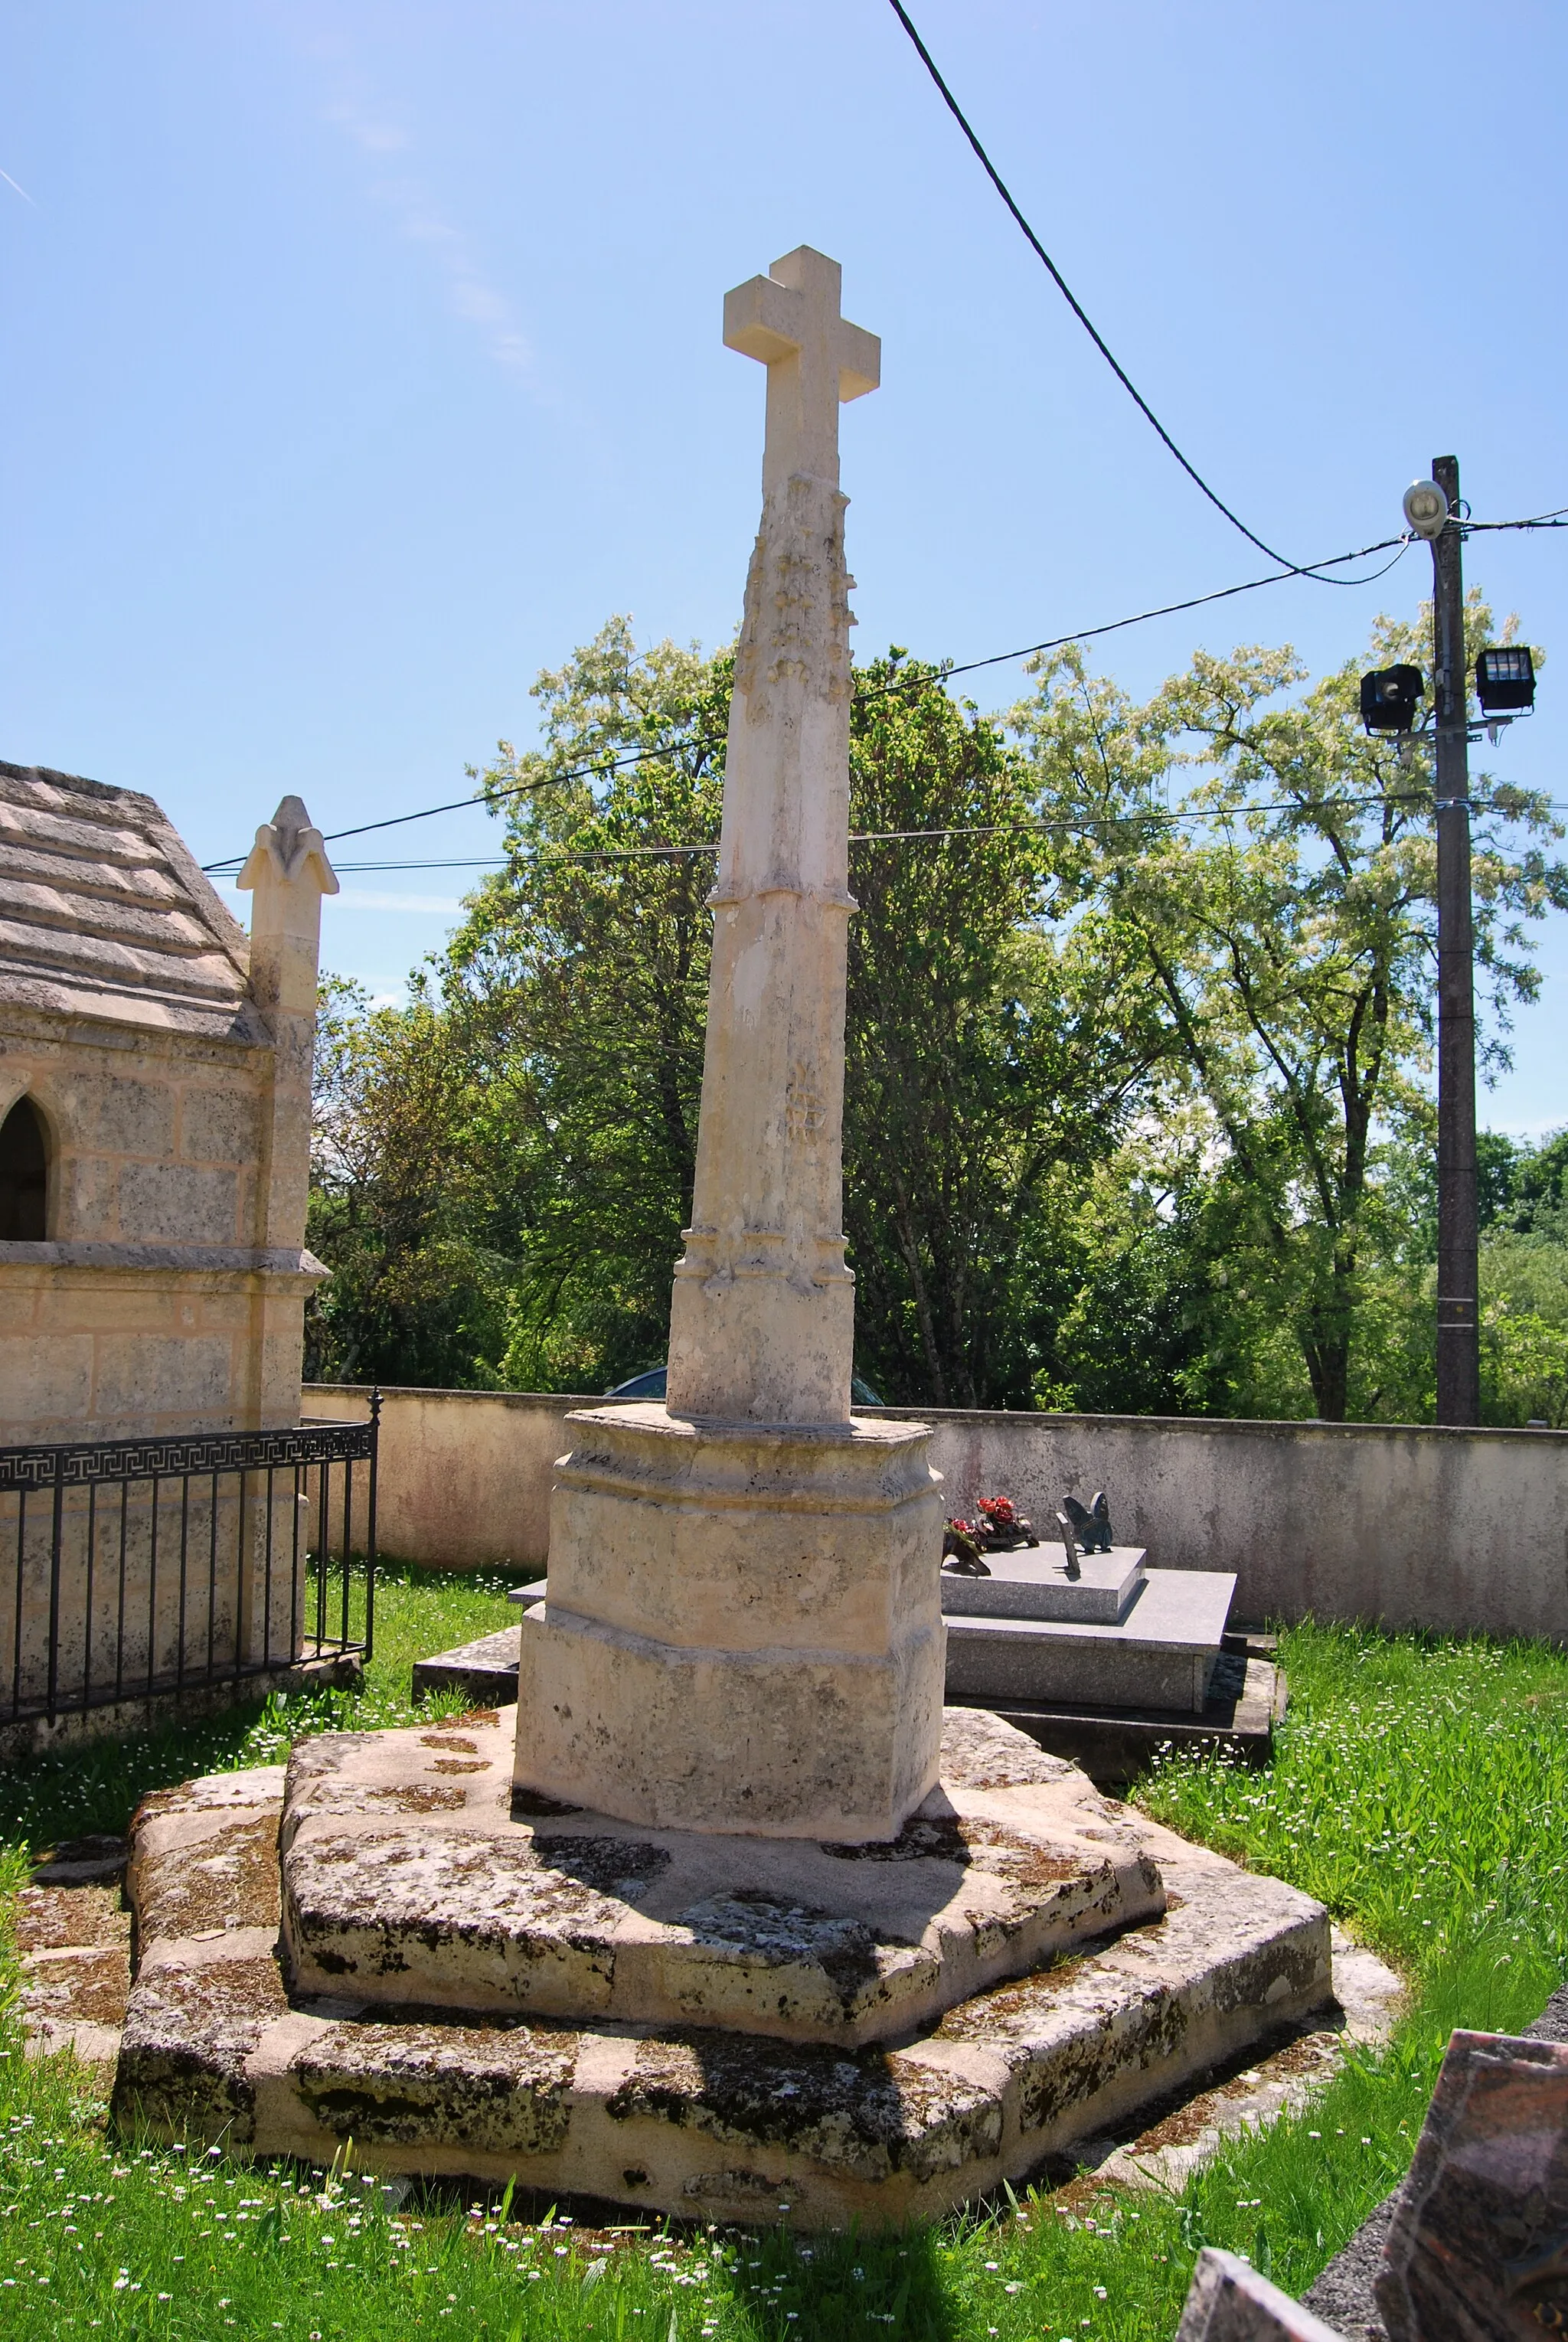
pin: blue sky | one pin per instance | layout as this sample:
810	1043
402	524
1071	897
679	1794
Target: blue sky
363	356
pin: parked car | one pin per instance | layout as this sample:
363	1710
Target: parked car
650	1383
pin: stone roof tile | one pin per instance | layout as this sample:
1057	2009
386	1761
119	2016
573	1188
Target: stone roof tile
105	912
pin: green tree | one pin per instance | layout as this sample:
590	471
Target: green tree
399	1211
552	1061
1282	907
576	990
991	1058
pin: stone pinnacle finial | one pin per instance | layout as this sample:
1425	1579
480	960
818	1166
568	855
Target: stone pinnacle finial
286	844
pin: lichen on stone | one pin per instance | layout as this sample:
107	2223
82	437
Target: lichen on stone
865	2113
229	1879
189	2031
500	2090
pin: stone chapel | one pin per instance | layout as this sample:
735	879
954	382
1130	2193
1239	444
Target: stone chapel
155	1119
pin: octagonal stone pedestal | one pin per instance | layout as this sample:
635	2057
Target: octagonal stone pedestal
728	2029
742	1629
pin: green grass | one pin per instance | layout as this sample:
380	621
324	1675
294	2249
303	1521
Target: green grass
1419	1788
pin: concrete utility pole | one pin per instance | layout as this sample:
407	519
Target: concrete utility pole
1458	1312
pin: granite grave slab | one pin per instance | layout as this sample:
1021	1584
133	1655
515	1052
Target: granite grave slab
1477	2246
1037	1584
1228	2301
1163	1655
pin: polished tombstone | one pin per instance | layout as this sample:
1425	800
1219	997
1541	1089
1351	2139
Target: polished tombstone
1161	1654
1478	2245
1041	1583
742	1629
1228	2301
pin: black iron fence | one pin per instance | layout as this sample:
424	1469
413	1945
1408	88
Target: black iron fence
143	1567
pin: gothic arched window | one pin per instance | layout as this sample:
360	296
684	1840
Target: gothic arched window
23	1175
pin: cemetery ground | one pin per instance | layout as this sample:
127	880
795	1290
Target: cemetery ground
1420	1788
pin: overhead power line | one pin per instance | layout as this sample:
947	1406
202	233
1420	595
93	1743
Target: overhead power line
1079	826
1196	602
599	767
1558	519
1117	368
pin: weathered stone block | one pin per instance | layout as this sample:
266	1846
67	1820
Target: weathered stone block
175	1375
219	1125
45	1377
172	1203
198	2013
408	1881
115	1113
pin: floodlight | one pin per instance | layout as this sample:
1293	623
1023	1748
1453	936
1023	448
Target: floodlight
1426	507
1388	698
1504	679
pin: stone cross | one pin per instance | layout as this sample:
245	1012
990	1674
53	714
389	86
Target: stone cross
743	1630
815	359
763	1316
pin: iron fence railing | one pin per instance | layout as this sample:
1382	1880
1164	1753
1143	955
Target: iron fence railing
141	1567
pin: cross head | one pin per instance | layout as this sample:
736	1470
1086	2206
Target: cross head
789	319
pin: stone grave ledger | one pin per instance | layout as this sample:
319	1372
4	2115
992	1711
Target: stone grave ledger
742	1629
1037	1584
1154	1643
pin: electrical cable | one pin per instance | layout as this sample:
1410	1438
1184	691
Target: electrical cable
1128	385
1170	609
1542	520
597	769
1086	824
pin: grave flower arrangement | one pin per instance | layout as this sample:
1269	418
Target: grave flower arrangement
998	1526
1002	1528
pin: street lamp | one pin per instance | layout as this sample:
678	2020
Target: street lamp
1505	681
1426	507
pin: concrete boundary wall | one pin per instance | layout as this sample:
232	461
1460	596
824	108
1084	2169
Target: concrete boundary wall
1411	1526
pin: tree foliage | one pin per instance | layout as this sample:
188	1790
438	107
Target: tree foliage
1138	1109
1283	910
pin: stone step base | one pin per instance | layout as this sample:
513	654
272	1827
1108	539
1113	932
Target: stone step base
413	1872
74	1943
694	2122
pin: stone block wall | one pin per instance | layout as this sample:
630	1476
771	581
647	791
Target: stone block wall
151	1307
